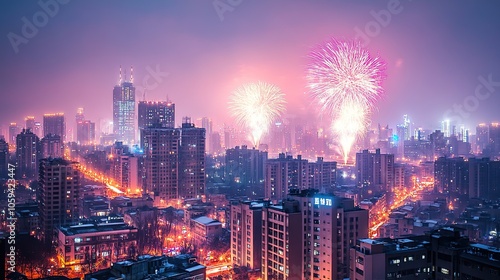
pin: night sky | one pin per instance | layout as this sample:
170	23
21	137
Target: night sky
434	51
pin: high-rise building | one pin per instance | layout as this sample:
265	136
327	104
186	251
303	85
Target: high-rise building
483	178
161	163
27	154
245	166
206	123
322	175
215	145
54	124
14	130
482	137
308	236
30	123
494	137
246	234
375	171
4	158
79	115
451	175
390	259
331	227
282	254
85	132
125	168
59	193
192	161
51	146
38	129
124	118
159	113
283	174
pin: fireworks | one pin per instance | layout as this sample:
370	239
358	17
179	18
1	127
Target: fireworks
255	106
346	81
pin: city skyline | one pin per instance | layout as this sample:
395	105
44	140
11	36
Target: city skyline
220	51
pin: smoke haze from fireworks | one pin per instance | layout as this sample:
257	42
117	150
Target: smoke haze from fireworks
346	82
255	106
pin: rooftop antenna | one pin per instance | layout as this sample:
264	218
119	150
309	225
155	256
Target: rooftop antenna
120	81
131	74
125	75
144	95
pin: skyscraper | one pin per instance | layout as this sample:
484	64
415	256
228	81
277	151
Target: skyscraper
192	161
482	137
124	118
246	233
30	123
322	175
85	132
51	146
14	130
331	227
283	174
375	171
59	192
494	135
245	166
27	154
206	123
4	158
451	175
161	163
308	236
37	129
152	113
54	124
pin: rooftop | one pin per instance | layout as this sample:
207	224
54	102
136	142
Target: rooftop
94	227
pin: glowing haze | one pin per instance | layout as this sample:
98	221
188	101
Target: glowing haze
346	82
255	106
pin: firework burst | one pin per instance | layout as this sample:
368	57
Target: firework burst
255	106
346	82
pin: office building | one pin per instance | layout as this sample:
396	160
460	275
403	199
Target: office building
124	116
54	124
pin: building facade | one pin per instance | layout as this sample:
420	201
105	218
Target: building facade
54	124
124	116
59	194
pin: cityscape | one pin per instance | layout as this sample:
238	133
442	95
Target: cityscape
235	139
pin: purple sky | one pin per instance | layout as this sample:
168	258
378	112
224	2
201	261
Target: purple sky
434	54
